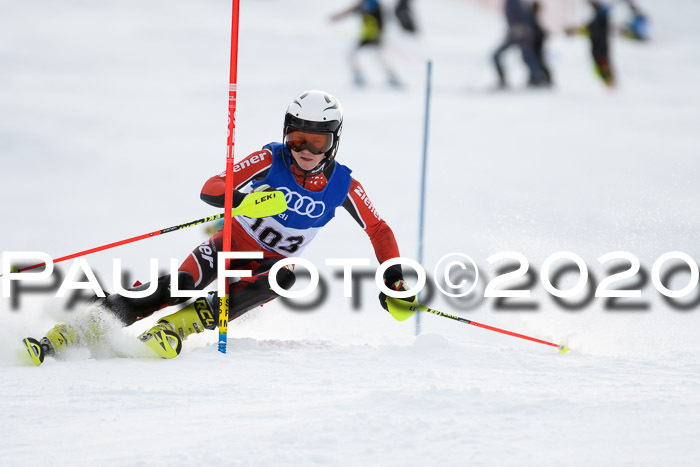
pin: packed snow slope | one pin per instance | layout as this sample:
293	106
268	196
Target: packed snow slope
113	114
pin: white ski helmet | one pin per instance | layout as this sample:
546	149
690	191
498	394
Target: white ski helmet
319	113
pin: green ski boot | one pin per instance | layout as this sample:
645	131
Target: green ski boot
166	337
35	350
56	341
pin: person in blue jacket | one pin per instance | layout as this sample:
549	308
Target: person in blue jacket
637	28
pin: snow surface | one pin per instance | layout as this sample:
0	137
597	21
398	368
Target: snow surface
112	115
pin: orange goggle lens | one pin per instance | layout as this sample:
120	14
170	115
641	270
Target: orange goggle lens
316	143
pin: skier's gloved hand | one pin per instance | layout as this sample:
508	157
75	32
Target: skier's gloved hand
237	198
263	187
393	279
399	286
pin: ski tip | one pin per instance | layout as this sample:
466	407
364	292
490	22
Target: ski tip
165	344
34	350
563	348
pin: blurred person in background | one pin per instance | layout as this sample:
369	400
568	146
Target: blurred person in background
519	33
538	37
404	14
213	227
637	28
370	38
598	31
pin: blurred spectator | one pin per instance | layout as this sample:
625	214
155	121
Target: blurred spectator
213	227
598	31
370	37
404	14
519	33
538	37
637	28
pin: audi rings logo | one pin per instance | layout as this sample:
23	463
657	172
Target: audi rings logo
303	205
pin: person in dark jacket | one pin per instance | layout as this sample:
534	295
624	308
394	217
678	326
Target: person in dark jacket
519	34
538	37
405	15
598	31
370	38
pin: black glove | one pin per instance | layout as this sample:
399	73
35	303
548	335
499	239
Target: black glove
393	279
399	286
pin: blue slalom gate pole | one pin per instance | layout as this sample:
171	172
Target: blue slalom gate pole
421	222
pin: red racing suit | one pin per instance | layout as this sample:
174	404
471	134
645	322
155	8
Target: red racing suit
201	263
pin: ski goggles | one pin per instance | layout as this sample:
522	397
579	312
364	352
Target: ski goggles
315	143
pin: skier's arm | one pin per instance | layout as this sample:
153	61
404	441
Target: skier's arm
380	234
254	166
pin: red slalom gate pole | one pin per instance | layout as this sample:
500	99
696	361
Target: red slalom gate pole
231	141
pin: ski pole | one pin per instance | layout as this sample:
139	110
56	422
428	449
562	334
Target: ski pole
260	204
402	310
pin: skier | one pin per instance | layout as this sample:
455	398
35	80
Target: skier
370	37
304	168
598	31
518	33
